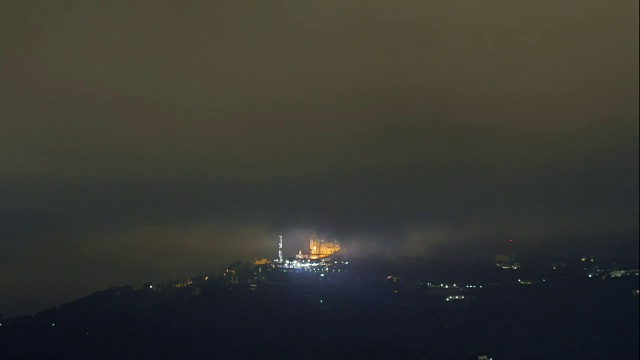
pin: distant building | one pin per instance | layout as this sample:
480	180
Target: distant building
320	248
502	260
261	261
301	256
506	262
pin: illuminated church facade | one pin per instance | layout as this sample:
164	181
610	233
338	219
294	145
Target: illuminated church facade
320	248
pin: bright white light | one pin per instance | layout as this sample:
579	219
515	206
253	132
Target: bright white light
321	274
53	324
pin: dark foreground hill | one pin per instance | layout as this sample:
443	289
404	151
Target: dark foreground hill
347	318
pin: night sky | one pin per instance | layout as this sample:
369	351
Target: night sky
141	141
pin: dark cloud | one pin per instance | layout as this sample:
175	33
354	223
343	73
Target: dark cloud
152	140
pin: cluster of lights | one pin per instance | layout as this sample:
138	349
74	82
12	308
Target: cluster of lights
447	286
189	282
620	273
452	286
515	266
295	264
455	297
443	286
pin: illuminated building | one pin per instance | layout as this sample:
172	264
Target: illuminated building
262	261
320	248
